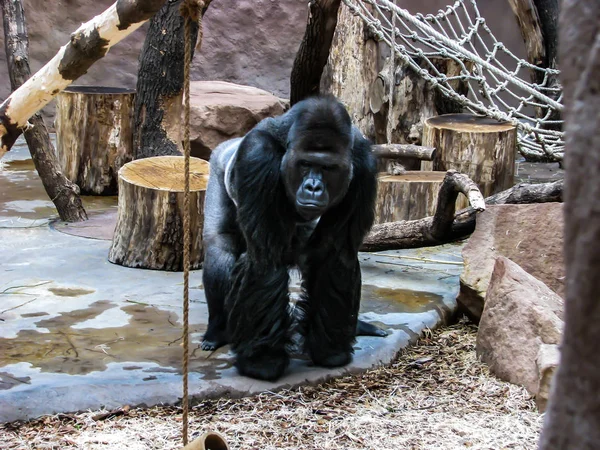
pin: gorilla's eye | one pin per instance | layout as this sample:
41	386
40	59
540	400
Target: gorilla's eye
304	164
330	168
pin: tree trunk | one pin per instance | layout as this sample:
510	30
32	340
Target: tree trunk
414	99
538	22
572	419
158	104
88	44
417	233
93	135
314	49
410	196
149	230
482	148
351	68
63	193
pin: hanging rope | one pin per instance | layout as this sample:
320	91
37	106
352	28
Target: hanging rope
191	10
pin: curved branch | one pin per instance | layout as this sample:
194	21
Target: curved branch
421	232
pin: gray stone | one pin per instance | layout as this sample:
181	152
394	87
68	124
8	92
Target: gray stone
529	235
547	362
521	315
222	111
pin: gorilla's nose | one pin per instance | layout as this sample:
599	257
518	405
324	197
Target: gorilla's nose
314	187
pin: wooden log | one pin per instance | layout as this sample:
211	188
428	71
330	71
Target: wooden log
94	135
398	151
482	148
149	230
410	196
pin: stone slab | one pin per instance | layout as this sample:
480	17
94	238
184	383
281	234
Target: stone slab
78	333
81	333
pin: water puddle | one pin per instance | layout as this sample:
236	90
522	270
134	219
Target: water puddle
70	292
60	346
22	194
385	300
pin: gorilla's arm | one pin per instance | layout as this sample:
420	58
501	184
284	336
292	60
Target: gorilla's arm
258	301
332	279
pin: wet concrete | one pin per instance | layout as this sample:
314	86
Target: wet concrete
77	332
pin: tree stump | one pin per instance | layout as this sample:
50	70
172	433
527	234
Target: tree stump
410	196
482	148
149	230
94	135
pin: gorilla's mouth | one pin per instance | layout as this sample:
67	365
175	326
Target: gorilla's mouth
309	209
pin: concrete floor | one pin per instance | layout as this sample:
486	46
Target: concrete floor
77	332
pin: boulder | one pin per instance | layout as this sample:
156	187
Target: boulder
222	111
529	235
521	318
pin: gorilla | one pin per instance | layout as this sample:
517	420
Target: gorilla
297	191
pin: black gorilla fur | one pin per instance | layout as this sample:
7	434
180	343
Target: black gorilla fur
297	190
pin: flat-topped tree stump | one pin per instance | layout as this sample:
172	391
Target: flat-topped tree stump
409	196
480	147
94	135
149	230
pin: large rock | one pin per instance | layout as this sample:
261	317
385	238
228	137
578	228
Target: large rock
521	319
221	111
529	235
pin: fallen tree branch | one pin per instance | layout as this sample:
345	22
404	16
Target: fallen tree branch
427	232
63	193
529	193
394	151
87	45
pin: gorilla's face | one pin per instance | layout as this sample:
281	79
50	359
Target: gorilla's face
317	173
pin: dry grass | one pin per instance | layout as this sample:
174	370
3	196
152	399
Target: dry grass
436	395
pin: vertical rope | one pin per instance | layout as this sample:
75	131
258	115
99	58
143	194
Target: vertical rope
392	78
191	10
186	222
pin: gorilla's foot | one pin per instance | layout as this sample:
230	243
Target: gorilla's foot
213	340
335	359
366	329
267	366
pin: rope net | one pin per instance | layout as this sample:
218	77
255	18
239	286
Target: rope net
497	80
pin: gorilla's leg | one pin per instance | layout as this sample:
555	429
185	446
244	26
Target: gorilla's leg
331	300
223	243
219	260
259	319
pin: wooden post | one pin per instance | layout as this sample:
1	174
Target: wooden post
93	135
482	148
149	230
410	196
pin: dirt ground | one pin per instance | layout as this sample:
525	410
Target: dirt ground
436	395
